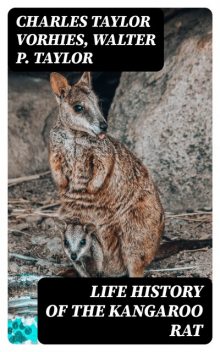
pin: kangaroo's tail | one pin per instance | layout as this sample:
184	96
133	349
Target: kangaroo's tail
173	247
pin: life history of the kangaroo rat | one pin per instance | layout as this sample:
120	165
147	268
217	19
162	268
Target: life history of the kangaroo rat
110	175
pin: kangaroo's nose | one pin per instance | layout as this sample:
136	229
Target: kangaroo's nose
103	126
73	256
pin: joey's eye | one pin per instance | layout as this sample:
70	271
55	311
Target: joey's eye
78	108
83	242
66	243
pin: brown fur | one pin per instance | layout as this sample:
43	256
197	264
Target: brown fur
100	181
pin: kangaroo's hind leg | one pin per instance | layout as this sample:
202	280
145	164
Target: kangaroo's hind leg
139	255
136	267
138	248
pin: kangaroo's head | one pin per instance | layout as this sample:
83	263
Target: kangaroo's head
77	238
79	109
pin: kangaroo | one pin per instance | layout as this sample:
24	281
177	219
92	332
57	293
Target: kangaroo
82	247
100	181
81	244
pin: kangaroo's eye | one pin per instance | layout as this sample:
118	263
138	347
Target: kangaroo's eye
66	243
78	108
83	242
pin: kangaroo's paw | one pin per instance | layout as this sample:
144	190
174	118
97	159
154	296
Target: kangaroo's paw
95	184
56	166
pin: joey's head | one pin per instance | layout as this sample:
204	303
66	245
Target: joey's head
78	104
77	239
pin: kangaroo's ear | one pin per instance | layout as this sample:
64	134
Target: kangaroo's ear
59	84
89	228
74	221
86	79
60	225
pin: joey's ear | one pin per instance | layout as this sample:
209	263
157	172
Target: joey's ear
89	228
60	225
86	79
74	221
59	84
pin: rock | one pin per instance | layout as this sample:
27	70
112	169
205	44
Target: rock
49	223
35	218
13	268
54	245
165	117
32	109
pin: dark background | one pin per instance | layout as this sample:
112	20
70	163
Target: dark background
121	330
105	58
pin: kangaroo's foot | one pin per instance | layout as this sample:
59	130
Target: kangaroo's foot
136	269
